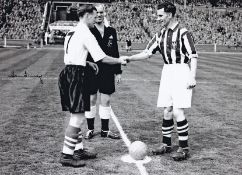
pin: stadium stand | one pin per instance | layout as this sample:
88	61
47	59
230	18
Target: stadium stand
219	22
21	20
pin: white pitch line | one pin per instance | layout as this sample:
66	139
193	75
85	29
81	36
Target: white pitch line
139	165
123	135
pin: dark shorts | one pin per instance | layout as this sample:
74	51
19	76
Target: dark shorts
73	89
104	82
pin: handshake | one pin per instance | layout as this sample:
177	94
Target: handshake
124	60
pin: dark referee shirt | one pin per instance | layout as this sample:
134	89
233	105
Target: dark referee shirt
175	45
109	45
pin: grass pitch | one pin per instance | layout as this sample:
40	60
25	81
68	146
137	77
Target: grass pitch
32	123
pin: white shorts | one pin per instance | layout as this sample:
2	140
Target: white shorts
173	86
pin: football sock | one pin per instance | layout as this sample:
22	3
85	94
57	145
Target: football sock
79	144
71	138
105	114
90	116
182	129
105	124
90	123
167	128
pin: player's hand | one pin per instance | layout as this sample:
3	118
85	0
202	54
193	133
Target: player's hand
94	67
118	78
126	58
192	83
122	60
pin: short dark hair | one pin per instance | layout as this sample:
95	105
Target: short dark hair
168	7
85	8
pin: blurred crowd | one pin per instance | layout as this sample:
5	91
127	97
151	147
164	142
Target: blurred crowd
213	26
127	19
209	25
22	19
214	3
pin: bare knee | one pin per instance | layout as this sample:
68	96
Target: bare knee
168	113
105	100
169	109
93	99
76	119
179	114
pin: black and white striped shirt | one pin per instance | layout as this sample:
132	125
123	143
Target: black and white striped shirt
175	45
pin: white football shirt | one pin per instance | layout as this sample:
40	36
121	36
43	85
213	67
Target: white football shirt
78	43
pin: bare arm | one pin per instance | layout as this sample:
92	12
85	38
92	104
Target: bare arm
150	49
94	66
188	42
111	60
137	57
193	67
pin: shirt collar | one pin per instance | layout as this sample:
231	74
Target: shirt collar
173	25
